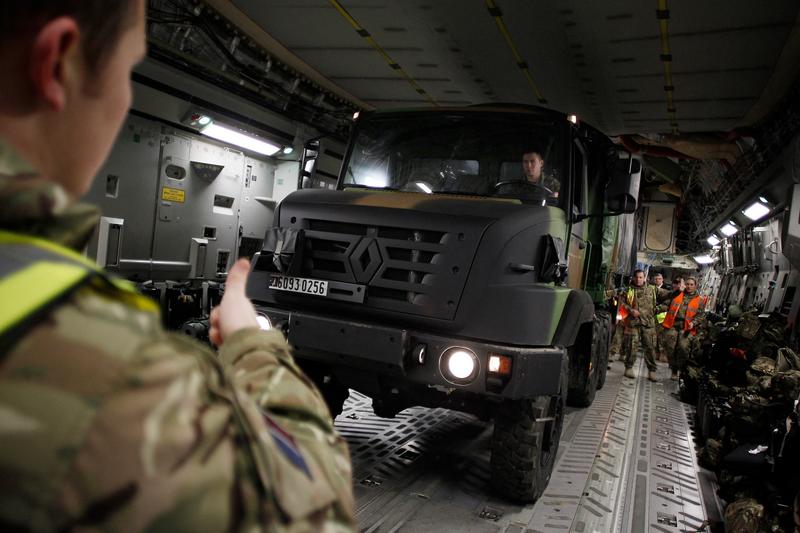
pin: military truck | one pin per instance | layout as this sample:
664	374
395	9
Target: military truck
436	274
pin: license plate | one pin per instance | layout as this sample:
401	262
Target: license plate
316	287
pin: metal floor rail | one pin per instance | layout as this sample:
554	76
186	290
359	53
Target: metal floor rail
627	463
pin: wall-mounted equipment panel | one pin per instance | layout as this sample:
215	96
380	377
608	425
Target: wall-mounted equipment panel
125	187
182	207
199	191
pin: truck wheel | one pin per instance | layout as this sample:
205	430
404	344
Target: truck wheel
525	445
333	392
583	368
335	396
603	327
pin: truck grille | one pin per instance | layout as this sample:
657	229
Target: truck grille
409	270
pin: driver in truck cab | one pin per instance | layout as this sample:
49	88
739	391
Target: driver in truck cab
532	166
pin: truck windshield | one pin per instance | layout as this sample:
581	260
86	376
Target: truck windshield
483	154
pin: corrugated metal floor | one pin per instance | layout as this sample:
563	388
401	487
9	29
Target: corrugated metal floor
627	463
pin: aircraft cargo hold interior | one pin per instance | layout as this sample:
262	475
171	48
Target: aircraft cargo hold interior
361	265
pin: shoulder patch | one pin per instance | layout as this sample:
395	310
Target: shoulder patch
285	443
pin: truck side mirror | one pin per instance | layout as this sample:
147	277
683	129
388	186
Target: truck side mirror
308	164
622	193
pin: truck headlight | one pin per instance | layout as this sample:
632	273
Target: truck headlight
264	322
459	365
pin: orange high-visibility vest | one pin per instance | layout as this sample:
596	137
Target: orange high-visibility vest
622	312
691	311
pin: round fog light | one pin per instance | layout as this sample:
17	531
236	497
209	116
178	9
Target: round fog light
459	365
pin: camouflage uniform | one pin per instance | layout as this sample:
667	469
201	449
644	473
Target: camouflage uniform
680	345
615	350
667	341
744	516
661	341
109	422
641	329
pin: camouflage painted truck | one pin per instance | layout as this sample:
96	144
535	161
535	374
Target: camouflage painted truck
436	275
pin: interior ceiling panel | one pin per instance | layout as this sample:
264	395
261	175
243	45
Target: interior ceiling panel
600	60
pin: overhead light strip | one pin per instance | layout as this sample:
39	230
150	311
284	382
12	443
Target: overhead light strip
240	139
662	13
394	65
497	14
704	259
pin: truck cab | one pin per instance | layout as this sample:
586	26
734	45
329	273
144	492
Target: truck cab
441	273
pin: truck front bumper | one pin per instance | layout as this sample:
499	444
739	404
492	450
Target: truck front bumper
417	357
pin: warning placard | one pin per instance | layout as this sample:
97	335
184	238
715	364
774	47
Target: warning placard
173	195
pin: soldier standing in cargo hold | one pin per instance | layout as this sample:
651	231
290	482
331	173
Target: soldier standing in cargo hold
108	422
685	311
658	283
639	303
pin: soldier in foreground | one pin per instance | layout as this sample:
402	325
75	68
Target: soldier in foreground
106	420
639	303
685	311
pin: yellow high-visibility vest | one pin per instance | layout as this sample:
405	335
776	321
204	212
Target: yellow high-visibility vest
36	273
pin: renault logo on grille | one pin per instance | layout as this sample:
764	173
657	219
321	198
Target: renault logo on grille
365	259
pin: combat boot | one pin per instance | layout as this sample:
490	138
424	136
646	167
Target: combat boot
629	373
652	376
674	376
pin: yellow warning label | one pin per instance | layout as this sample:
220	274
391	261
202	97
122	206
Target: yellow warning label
173	195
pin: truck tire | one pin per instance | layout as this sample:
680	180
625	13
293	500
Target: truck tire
603	327
583	368
335	395
333	392
525	445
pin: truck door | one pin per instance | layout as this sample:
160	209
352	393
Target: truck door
578	242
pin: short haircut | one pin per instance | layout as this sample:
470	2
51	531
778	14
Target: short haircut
102	22
637	271
533	150
677	278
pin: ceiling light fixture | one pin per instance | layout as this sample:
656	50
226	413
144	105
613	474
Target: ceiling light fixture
703	259
729	229
197	119
713	240
242	140
756	211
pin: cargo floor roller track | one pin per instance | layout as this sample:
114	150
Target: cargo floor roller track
627	463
